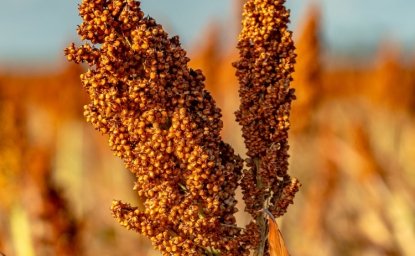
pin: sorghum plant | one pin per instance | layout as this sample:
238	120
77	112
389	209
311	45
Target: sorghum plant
27	183
264	71
308	72
166	127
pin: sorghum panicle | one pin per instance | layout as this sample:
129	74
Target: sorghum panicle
264	71
165	126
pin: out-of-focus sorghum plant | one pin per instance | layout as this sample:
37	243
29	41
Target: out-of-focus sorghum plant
308	72
12	130
11	161
26	175
166	127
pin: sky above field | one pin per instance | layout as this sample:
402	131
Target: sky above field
39	29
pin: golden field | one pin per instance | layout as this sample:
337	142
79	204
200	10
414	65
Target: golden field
352	131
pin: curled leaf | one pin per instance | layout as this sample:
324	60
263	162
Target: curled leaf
275	240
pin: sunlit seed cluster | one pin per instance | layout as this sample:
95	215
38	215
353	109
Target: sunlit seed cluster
264	71
165	126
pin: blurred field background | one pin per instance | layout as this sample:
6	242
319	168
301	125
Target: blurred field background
352	132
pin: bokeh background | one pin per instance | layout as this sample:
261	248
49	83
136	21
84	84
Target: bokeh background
352	131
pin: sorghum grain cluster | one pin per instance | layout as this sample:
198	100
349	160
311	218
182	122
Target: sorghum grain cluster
165	126
264	71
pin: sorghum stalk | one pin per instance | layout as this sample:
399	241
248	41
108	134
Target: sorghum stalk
165	126
264	71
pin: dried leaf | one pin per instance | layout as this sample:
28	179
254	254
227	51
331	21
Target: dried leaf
275	240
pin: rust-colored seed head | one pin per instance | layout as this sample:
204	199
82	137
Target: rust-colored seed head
165	126
264	71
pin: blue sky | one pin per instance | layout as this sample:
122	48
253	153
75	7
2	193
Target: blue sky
39	29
